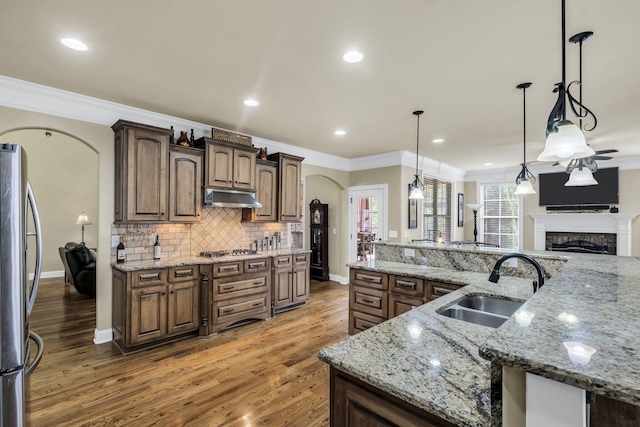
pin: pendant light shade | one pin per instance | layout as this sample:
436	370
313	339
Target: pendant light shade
565	144
525	179
417	188
581	177
524	188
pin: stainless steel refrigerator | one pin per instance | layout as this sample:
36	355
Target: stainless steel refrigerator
18	212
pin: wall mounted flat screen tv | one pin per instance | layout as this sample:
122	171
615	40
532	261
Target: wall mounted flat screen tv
553	192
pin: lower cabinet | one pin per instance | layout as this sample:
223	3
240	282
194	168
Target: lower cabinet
290	281
154	306
355	404
375	297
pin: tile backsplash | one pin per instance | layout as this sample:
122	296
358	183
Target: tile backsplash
220	229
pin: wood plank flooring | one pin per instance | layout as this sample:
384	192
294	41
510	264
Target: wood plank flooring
263	374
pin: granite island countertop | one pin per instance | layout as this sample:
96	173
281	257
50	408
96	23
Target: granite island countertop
177	261
439	370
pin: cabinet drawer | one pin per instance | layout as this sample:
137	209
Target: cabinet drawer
359	322
240	307
228	287
406	285
149	277
300	258
369	279
368	300
281	261
437	289
255	265
399	304
183	274
227	268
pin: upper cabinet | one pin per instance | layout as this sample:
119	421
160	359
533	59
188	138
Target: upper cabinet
266	193
185	184
227	165
141	173
289	197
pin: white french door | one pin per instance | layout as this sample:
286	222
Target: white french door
367	220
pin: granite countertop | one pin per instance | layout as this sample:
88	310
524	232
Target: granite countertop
170	261
600	293
440	370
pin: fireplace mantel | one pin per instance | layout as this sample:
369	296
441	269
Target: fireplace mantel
618	223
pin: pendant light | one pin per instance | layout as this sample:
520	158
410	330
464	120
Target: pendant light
525	179
417	188
581	173
564	139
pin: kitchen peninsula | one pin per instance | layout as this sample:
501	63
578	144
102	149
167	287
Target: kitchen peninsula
430	367
155	302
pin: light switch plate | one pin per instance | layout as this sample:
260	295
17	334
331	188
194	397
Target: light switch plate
115	241
334	230
409	252
393	234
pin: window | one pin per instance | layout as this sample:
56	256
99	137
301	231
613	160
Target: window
500	215
436	209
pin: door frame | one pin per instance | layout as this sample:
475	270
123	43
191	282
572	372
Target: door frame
382	191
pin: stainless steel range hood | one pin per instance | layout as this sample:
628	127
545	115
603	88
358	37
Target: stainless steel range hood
230	199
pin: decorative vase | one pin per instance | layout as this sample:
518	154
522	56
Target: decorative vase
183	139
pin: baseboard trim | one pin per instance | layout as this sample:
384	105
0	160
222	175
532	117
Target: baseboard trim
102	336
48	274
339	279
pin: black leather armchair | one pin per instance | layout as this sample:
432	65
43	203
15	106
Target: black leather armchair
80	268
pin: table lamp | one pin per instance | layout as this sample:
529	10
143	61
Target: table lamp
83	220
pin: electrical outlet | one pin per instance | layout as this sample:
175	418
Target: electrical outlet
393	234
266	234
115	241
409	252
334	230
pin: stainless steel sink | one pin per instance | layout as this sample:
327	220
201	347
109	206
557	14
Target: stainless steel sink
482	310
489	304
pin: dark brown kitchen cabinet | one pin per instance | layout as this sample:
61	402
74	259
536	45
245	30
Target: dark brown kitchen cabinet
266	193
227	165
355	403
289	176
151	307
185	184
290	281
141	173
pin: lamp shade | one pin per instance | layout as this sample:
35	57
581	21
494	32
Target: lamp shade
567	143
416	193
524	188
83	219
581	177
474	206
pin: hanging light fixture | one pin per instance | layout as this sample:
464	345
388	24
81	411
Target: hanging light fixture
580	171
417	188
525	179
564	139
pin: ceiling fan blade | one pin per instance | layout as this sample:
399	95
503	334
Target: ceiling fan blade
606	151
601	157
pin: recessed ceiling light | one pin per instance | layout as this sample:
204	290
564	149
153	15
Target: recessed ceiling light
251	103
488	164
353	56
340	132
438	140
74	44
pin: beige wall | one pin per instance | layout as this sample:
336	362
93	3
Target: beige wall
63	173
100	139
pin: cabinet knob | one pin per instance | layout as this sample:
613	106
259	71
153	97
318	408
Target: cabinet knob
164	293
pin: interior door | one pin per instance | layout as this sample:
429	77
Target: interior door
367	220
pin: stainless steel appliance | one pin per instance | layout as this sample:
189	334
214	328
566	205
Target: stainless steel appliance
16	296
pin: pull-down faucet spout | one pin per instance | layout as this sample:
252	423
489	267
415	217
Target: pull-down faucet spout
495	274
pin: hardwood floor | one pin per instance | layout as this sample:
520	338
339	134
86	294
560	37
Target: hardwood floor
263	374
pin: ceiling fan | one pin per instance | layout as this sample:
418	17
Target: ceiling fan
588	162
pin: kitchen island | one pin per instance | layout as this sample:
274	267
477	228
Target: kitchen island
453	369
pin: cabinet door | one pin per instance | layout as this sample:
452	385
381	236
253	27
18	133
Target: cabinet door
300	286
148	314
244	169
282	284
219	166
399	304
183	307
146	175
266	194
290	209
185	187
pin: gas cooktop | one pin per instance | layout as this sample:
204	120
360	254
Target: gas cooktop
230	252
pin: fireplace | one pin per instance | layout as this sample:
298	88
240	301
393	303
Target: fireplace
587	225
590	243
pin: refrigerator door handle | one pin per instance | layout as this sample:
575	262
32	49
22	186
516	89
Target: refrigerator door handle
34	363
38	234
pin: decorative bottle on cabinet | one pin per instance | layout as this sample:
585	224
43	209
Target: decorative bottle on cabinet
120	252
156	249
319	224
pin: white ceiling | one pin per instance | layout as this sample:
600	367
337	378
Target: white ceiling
459	60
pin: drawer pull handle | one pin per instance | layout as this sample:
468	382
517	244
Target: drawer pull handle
366	300
231	268
257	283
257	264
183	273
152	276
301	258
405	284
228	288
283	260
257	304
227	311
441	290
368	278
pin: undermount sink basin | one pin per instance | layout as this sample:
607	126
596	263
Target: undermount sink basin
482	310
